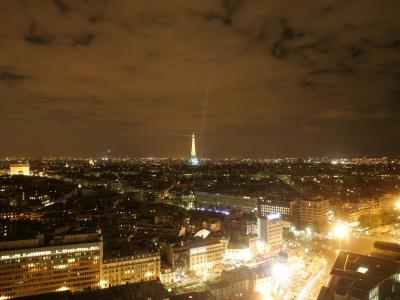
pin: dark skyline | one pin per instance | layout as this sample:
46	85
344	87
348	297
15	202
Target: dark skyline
250	78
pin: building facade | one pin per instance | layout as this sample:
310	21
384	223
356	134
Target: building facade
230	202
313	214
20	169
358	277
275	205
270	231
234	284
130	269
206	256
29	268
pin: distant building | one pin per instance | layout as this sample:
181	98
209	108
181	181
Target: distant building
119	270
270	230
262	276
275	205
20	169
195	257
312	213
193	296
358	277
351	212
193	158
167	275
226	202
31	267
244	249
109	155
206	256
234	284
91	162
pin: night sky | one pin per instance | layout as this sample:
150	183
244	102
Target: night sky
261	78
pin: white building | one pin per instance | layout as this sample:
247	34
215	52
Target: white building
270	230
19	169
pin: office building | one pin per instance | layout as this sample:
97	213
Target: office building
312	213
270	231
30	267
275	205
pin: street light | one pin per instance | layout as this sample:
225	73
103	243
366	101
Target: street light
340	232
280	273
397	205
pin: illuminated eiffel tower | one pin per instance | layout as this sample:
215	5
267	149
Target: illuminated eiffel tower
193	158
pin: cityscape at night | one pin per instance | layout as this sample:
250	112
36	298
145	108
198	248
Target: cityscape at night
200	150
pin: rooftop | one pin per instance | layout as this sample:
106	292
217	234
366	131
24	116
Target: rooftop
358	274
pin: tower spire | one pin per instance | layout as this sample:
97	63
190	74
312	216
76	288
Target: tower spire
193	151
193	158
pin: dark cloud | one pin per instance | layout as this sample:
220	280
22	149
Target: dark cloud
83	40
8	74
62	6
95	19
337	70
251	78
35	36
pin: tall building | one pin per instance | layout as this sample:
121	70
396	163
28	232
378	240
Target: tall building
193	158
270	230
32	267
312	213
19	169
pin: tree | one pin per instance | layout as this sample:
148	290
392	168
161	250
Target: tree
370	221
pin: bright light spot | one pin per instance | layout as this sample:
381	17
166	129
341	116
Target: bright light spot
60	267
308	231
265	290
362	270
103	284
280	272
340	230
61	289
398	204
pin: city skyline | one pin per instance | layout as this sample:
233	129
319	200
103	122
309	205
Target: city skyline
253	79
